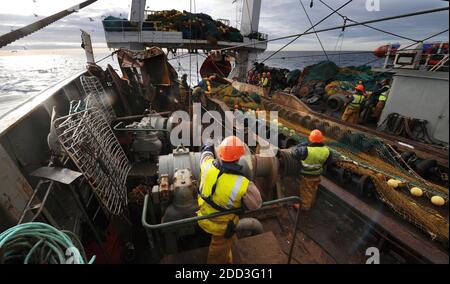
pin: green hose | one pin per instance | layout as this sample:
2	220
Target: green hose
40	243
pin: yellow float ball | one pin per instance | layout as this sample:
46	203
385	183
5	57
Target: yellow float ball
275	121
393	183
438	201
417	192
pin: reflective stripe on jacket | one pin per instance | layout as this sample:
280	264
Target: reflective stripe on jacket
230	189
357	101
316	158
384	96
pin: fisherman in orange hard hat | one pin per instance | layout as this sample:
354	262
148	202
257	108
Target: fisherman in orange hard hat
313	156
360	87
223	187
351	113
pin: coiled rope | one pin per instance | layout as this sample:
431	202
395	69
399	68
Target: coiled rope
40	243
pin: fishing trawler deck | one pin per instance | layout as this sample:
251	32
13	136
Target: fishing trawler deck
93	155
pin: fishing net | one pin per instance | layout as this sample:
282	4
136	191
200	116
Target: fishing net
354	74
365	154
323	71
328	71
195	25
232	97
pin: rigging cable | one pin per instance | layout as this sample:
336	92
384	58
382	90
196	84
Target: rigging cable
299	35
342	38
196	56
190	52
330	54
314	29
340	27
370	27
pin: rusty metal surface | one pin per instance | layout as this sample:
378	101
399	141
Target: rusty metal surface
152	61
122	88
406	234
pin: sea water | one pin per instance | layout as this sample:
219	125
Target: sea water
24	74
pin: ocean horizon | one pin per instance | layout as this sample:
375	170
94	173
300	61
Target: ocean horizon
26	73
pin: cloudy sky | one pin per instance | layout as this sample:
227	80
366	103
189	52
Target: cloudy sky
278	18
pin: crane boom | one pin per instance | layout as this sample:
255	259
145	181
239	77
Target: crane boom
34	27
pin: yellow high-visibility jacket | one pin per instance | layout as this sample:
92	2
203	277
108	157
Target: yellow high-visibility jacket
229	192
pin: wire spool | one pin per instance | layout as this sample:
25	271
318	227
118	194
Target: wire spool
40	243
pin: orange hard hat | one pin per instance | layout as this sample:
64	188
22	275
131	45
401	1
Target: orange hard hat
360	88
231	149
316	136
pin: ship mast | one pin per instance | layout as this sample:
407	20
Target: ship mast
251	11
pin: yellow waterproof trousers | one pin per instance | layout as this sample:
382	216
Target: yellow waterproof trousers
351	115
379	109
220	250
308	191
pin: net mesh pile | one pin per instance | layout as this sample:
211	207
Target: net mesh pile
367	155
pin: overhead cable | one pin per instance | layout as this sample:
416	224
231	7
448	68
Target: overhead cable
431	11
314	29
